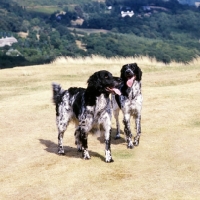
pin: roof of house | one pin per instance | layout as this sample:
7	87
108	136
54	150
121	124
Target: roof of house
7	41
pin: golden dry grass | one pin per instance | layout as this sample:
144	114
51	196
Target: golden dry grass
164	166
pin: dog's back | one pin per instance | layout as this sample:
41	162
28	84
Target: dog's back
71	98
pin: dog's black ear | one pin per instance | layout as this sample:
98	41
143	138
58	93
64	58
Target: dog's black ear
122	75
138	73
93	80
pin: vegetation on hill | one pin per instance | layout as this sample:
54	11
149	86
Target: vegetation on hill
165	30
30	3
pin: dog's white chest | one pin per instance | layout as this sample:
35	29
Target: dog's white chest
101	104
135	90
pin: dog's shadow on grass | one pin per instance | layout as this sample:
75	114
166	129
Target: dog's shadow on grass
52	147
114	141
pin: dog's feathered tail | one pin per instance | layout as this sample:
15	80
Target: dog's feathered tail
57	93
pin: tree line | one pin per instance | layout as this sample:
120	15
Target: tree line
168	35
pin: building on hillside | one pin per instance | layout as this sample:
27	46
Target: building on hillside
197	3
109	7
127	13
7	41
60	14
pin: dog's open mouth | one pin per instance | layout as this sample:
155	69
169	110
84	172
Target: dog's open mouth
113	90
130	81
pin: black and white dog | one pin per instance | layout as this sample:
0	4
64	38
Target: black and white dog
86	107
130	102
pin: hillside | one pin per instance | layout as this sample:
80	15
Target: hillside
164	166
189	2
30	3
165	30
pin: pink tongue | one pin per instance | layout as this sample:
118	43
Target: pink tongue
116	91
130	81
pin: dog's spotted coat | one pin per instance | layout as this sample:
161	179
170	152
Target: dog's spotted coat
87	108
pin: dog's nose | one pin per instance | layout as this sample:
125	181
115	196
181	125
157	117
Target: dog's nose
118	79
128	72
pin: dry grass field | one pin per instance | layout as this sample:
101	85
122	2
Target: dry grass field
166	164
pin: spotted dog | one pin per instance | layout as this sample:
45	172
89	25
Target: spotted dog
130	102
87	108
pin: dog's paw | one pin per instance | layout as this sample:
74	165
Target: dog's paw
61	151
136	140
86	155
130	145
79	149
117	136
108	156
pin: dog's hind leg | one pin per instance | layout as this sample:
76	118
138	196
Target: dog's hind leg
78	140
62	123
138	130
116	116
116	109
60	143
127	131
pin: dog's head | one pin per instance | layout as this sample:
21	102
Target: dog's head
130	73
104	82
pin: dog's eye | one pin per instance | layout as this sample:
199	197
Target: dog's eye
106	76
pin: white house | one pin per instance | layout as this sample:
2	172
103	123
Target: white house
197	3
109	7
127	13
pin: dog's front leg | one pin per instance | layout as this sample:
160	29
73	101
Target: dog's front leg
106	123
85	124
138	130
107	148
84	137
127	131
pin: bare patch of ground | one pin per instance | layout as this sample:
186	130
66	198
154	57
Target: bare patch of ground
23	34
89	31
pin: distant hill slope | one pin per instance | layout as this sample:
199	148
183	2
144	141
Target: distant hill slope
67	2
49	2
189	2
167	34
